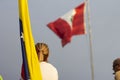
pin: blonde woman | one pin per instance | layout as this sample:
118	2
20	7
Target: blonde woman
49	72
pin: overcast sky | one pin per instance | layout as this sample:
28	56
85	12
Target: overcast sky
72	61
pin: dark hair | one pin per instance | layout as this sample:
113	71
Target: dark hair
116	62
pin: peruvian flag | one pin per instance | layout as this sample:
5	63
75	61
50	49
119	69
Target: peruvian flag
72	23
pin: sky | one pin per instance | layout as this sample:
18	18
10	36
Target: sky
72	61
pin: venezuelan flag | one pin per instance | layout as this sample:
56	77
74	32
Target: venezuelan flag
30	59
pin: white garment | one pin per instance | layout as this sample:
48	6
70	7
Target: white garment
48	71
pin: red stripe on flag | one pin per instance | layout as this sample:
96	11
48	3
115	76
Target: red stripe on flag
62	29
78	21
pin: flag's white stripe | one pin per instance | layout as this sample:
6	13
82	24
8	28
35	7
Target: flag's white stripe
68	17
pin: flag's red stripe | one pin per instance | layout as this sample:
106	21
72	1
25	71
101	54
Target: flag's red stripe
62	29
78	21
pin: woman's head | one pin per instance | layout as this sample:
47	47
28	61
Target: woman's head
42	51
116	65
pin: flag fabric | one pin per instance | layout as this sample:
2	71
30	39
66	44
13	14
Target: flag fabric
30	59
72	23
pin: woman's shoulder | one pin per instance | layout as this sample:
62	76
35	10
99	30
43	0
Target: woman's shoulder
48	70
46	64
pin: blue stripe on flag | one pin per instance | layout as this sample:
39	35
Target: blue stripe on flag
23	52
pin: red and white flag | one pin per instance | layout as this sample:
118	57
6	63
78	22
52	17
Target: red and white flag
72	23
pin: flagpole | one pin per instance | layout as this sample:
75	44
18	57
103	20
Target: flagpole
90	39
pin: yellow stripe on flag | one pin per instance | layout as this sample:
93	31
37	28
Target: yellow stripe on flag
32	59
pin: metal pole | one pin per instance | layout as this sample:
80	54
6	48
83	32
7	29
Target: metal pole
90	39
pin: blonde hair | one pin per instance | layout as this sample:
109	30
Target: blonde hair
43	48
